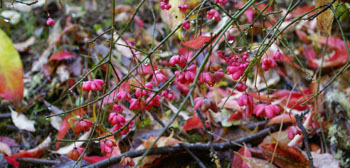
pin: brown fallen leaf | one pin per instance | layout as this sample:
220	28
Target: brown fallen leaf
285	156
325	19
23	46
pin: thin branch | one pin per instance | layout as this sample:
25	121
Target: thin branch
37	161
167	150
5	115
200	163
299	119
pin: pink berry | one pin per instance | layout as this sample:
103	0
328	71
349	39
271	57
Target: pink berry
138	93
186	24
277	55
117	108
123	95
221	2
164	94
149	85
50	22
241	87
183	7
86	86
134	104
212	13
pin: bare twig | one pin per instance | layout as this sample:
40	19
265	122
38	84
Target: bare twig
299	119
200	163
37	161
193	147
6	115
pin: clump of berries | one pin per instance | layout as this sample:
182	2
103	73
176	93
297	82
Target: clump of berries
241	87
213	14
94	85
213	76
204	104
246	101
108	146
183	7
127	161
269	63
178	60
159	76
186	24
237	65
75	153
81	125
221	2
164	4
168	95
118	120
187	76
268	111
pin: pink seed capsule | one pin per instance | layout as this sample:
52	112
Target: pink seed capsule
186	24
183	7
50	22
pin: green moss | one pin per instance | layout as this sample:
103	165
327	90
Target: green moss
337	96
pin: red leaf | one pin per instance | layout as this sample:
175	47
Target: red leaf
295	100
65	125
286	156
302	36
310	55
196	43
192	123
340	56
235	116
238	162
61	55
32	153
12	159
302	10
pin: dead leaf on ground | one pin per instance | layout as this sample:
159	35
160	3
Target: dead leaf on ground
276	137
32	153
325	19
22	122
240	158
23	46
325	160
4	148
285	156
163	141
66	149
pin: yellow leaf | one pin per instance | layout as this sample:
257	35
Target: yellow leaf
325	19
174	16
11	70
